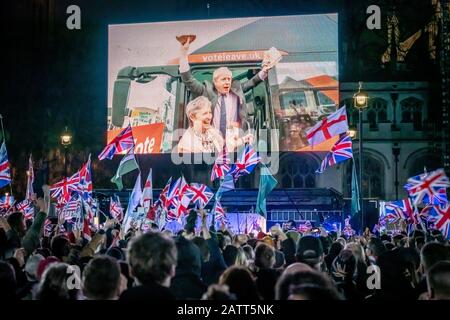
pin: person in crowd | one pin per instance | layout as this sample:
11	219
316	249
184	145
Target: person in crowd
240	282
187	283
438	281
343	272
266	275
55	281
375	248
8	284
102	279
335	249
310	251
301	275
152	258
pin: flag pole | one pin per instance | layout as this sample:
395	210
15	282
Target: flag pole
4	139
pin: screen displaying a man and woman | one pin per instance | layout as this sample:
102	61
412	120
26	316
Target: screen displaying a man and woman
195	86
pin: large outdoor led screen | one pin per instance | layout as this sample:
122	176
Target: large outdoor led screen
147	91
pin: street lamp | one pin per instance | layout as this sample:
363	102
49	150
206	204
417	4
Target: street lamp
360	102
351	133
66	140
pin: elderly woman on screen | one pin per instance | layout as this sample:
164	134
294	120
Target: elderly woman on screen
201	136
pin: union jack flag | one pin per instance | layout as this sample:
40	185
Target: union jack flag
304	227
71	209
428	214
442	222
5	173
219	213
26	206
85	185
115	208
439	198
173	193
341	151
65	187
245	165
200	194
7	201
396	210
221	166
163	195
121	143
428	187
48	227
30	179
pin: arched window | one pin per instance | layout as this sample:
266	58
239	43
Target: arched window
377	112
373	177
412	109
298	171
430	161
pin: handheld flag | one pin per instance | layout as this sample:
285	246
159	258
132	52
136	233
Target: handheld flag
30	179
266	184
122	142
127	165
330	126
341	151
5	172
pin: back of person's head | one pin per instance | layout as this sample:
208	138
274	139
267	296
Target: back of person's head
419	242
385	237
240	282
16	221
116	253
389	246
44	265
31	267
437	235
218	292
313	292
8	284
310	251
343	267
189	259
249	252
326	244
264	256
296	267
60	246
101	278
396	275
438	280
432	253
357	250
289	279
335	248
279	259
54	283
203	246
294	235
375	247
152	257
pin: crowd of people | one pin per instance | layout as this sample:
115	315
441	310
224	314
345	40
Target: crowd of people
201	262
